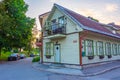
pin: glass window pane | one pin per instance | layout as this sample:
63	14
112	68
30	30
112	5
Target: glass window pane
89	48
49	48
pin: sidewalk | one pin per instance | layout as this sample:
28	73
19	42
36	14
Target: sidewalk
88	70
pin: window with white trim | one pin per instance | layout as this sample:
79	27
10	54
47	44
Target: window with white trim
54	26
114	49
62	21
119	49
49	48
108	48
100	50
83	48
89	47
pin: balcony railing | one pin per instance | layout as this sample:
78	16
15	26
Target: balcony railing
55	29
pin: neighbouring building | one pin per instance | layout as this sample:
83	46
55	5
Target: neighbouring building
35	36
70	38
42	19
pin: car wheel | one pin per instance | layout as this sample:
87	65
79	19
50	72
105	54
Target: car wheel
16	58
11	59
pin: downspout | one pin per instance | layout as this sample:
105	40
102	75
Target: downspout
80	43
80	60
42	49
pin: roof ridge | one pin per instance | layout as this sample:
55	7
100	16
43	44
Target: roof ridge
78	13
86	23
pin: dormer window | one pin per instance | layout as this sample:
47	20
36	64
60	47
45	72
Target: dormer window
113	31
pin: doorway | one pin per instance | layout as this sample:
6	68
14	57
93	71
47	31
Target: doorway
57	53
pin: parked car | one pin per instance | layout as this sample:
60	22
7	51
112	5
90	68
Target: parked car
22	56
14	57
32	55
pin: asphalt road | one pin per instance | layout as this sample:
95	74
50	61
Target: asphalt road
22	70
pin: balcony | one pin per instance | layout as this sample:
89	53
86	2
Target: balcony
55	31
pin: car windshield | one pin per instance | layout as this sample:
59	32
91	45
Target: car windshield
14	54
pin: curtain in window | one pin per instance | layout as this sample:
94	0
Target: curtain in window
49	48
119	49
100	48
89	48
108	48
114	48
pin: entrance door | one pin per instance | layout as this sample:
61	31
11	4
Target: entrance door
57	53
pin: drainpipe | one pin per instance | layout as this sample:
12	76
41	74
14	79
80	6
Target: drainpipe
41	48
80	43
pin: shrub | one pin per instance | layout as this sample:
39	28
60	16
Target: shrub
36	59
4	56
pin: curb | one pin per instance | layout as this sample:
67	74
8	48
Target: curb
101	72
84	75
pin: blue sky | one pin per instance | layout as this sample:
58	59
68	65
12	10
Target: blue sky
105	11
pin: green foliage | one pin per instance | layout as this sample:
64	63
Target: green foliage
25	52
35	51
15	26
93	19
4	56
36	59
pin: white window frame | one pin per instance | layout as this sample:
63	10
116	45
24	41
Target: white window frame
114	49
49	48
89	46
108	48
100	49
119	49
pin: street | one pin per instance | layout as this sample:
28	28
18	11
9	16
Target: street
23	70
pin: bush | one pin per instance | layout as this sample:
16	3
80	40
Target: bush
36	59
4	56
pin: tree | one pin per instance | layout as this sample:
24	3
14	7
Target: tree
93	19
16	26
5	23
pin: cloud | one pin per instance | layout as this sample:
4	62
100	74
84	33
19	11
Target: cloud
53	1
111	7
90	12
103	18
118	23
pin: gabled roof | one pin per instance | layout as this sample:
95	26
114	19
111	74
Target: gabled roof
86	23
44	14
117	27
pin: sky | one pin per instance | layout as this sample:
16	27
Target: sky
106	11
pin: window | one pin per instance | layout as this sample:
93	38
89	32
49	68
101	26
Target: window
108	48
89	48
100	50
83	48
54	24
61	21
114	49
47	25
49	48
119	49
